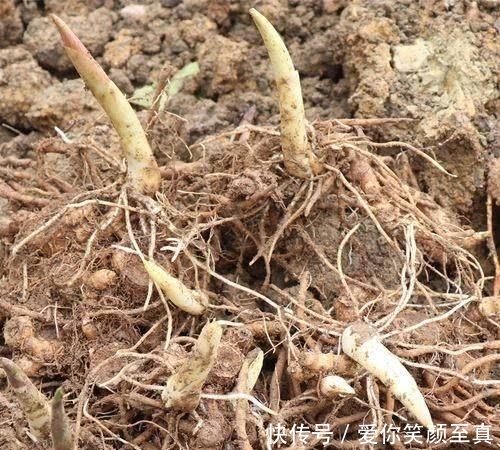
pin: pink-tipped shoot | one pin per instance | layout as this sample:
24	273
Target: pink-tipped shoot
143	172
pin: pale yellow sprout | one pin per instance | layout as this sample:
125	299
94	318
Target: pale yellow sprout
183	389
250	371
298	157
143	171
189	300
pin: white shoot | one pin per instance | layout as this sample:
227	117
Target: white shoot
298	157
361	342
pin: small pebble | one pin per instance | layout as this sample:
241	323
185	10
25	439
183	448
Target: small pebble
134	13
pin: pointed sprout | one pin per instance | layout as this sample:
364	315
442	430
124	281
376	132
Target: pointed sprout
252	365
298	157
143	172
62	438
183	389
249	373
360	341
189	300
332	386
33	403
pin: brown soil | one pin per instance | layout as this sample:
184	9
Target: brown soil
399	230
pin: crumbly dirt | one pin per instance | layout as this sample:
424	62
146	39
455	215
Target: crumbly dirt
400	230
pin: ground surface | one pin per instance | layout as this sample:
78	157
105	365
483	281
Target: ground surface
398	231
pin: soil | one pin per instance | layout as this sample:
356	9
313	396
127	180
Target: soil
400	230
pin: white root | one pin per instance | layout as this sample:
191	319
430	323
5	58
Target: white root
189	300
298	157
360	342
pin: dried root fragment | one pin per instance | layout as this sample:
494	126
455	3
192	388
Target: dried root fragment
189	300
183	389
33	402
143	171
60	428
298	157
360	342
